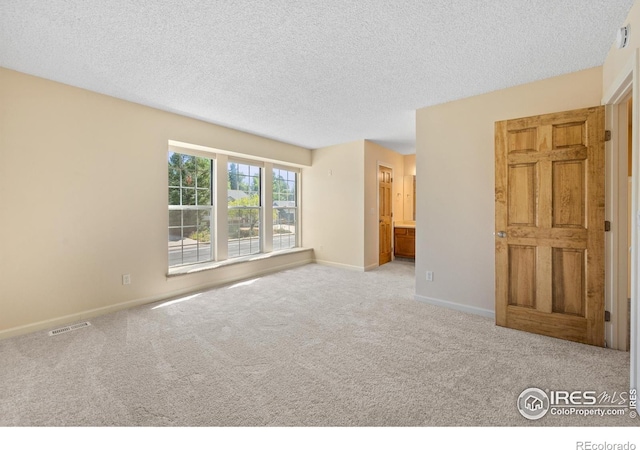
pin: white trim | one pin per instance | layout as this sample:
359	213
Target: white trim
213	265
246	161
622	85
299	209
629	78
190	147
288	168
220	216
64	320
635	254
339	265
371	267
457	306
616	211
266	187
192	152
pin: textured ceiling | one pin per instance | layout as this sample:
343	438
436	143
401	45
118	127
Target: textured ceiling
312	73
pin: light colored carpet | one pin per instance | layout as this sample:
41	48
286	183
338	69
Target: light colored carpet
313	345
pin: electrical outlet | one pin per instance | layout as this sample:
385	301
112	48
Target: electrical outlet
126	279
429	275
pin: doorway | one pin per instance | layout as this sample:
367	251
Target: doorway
385	185
623	256
619	207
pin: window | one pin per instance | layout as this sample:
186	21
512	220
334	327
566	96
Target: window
190	209
244	211
255	211
285	208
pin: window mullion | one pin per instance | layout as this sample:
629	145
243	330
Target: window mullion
267	210
221	215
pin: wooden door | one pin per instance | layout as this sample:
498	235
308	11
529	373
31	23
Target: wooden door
384	210
550	224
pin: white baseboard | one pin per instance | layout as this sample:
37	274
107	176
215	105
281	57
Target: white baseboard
339	265
371	267
457	306
71	318
88	314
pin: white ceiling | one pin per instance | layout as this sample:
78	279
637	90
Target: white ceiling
307	72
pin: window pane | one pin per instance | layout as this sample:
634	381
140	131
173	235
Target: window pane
203	236
204	226
188	171
203	173
190	252
189	218
175	248
284	228
175	236
189	178
174	176
244	231
188	196
203	197
174	167
243	185
204	252
284	188
253	199
175	218
174	196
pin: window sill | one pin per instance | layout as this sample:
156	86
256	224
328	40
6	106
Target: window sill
197	268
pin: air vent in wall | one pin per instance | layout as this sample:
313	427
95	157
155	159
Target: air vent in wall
69	328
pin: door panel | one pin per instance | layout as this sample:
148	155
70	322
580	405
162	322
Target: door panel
550	206
384	207
522	276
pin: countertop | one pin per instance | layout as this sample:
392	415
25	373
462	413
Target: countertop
405	225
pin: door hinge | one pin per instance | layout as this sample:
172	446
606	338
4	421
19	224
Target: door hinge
607	316
607	225
607	135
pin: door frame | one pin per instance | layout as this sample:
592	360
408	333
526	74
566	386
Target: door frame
626	84
388	166
616	241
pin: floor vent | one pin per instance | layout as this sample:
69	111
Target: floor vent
69	328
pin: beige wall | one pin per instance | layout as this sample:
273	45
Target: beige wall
455	183
84	200
618	59
340	202
333	205
375	155
410	164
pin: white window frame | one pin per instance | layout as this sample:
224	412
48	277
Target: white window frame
210	208
296	201
219	208
260	208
